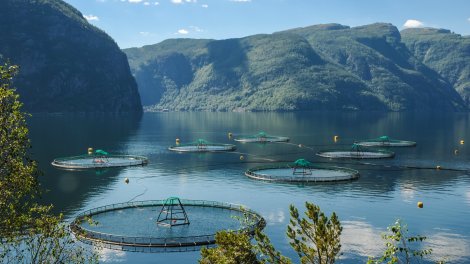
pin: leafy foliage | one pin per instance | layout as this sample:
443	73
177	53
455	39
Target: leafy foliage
399	248
29	233
232	248
18	173
316	239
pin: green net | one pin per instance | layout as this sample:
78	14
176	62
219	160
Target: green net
261	134
302	163
101	152
384	138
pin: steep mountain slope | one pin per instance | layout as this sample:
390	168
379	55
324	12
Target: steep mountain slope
323	67
66	64
376	54
445	52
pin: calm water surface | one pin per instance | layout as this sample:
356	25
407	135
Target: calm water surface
365	207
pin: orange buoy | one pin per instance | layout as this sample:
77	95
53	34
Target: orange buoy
90	151
177	141
420	204
462	142
336	138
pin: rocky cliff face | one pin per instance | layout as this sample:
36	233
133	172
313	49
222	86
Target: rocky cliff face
323	67
66	64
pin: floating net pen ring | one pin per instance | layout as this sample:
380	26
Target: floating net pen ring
148	226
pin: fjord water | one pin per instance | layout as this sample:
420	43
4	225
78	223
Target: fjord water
365	206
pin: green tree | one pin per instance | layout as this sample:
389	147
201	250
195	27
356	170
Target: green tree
316	238
232	248
29	233
399	246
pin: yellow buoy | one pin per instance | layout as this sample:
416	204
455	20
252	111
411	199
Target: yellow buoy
126	180
336	138
462	142
230	135
177	141
420	204
438	167
241	157
90	151
456	152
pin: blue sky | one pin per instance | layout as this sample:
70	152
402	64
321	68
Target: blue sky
134	23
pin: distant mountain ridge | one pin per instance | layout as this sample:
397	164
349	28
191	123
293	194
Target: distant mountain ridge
66	64
321	67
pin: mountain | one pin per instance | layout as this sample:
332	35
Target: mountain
321	67
445	52
66	64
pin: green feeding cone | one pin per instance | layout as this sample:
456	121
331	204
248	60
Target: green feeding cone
172	213
356	147
201	141
302	163
384	138
261	134
172	201
101	152
302	167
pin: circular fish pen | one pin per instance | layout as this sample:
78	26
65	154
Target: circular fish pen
301	171
356	152
261	137
202	145
98	159
385	141
170	225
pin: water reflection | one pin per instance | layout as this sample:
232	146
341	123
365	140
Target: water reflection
65	135
365	207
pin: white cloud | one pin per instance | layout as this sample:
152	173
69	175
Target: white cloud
135	1
240	1
448	246
206	6
146	3
144	33
468	19
183	1
91	17
183	31
412	23
275	217
109	255
196	29
361	238
156	3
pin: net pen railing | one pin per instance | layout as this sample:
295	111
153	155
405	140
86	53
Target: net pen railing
106	238
204	147
386	143
71	162
253	173
364	152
